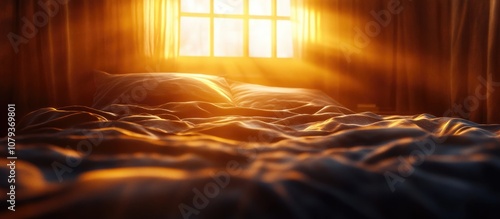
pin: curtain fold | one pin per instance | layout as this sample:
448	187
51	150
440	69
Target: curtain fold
438	57
161	29
306	26
311	31
63	42
474	60
421	57
493	102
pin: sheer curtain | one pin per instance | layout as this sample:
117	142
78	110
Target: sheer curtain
312	26
306	20
161	29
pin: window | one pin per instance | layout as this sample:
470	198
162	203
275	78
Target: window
235	28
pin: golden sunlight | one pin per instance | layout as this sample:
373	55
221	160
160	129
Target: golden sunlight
220	28
122	173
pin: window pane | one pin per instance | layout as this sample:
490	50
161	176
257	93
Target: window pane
260	38
260	7
228	6
284	8
284	39
195	6
228	37
195	36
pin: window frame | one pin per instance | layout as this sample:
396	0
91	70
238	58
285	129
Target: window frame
245	17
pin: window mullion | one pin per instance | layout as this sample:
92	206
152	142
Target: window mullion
274	18
179	29
274	22
212	27
246	33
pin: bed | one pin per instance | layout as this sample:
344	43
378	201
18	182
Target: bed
179	145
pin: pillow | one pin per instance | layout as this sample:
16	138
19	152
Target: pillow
154	89
265	97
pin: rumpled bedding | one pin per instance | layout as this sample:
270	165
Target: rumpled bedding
202	159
